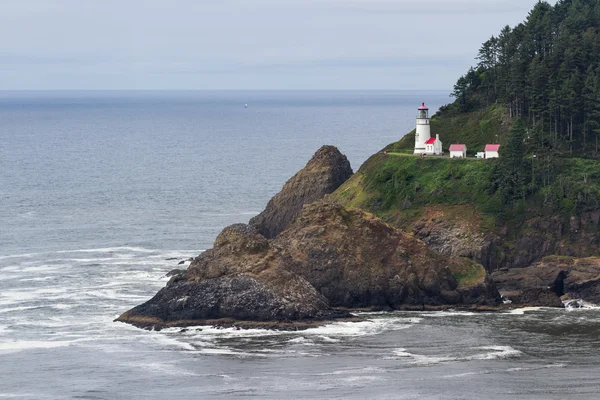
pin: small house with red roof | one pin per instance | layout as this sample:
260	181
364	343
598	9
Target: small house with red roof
492	151
433	147
458	151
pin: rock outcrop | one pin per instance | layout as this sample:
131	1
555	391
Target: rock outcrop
356	260
325	172
237	280
549	281
328	258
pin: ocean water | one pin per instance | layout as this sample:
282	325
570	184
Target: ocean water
102	193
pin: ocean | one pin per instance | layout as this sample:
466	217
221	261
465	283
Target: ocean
103	193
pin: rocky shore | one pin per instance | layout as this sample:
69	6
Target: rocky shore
306	261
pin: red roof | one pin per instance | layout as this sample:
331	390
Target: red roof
431	141
458	147
423	107
492	147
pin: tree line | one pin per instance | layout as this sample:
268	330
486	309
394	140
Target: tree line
545	71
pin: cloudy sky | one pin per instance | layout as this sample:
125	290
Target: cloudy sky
245	44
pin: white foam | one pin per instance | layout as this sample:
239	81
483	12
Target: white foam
302	340
25	255
571	305
494	371
12	309
497	352
22	345
164	340
521	311
162	369
364	328
436	314
493	353
329	340
110	250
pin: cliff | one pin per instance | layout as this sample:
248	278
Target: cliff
552	279
328	258
457	208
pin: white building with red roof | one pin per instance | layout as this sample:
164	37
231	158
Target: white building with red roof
492	151
458	151
433	147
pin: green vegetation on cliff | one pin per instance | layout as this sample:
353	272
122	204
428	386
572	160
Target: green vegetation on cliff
545	70
535	91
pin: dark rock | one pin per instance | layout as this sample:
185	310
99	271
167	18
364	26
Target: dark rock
175	272
544	283
356	260
181	262
328	257
325	172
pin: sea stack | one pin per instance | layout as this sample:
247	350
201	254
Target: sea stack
326	171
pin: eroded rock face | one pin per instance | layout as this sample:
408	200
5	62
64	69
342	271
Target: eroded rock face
552	279
356	260
328	257
235	280
325	172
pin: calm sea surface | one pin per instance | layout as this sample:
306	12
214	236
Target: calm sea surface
102	193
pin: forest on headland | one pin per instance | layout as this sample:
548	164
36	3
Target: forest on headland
545	71
535	89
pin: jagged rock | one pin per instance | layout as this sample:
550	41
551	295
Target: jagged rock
235	280
325	172
544	283
356	260
329	256
174	272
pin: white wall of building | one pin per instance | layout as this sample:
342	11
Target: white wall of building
458	154
438	146
492	154
422	135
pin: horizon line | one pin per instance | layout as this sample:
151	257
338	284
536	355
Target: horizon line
225	90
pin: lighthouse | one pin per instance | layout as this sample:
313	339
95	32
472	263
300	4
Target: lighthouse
423	134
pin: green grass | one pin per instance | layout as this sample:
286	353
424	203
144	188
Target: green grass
469	274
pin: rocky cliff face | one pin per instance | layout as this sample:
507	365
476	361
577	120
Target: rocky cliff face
237	280
328	257
356	260
325	172
553	279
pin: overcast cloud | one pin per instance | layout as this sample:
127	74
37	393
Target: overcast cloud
245	44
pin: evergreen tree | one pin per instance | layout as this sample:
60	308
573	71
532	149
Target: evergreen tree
546	71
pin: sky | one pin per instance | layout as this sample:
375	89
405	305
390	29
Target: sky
245	44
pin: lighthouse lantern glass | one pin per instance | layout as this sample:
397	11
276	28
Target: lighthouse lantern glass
423	114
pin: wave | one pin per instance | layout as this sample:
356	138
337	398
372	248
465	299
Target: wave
521	311
435	314
116	249
494	371
493	353
571	305
23	345
110	250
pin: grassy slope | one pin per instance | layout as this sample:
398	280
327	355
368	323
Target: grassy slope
398	188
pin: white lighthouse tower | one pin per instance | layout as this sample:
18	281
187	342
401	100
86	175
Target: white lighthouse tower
423	130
